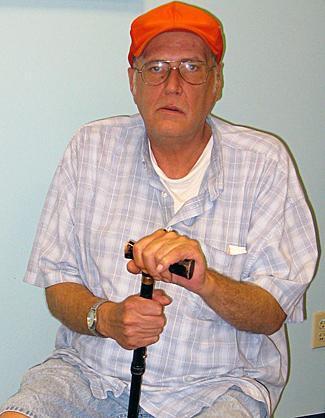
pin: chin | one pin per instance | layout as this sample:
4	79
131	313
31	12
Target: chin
169	127
169	132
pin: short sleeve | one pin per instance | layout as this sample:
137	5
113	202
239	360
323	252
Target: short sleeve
282	247
55	253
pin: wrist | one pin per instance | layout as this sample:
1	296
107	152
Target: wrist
102	319
209	285
93	318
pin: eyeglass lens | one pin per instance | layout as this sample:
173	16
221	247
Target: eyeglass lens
157	72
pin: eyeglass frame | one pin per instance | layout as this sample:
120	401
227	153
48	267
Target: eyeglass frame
170	68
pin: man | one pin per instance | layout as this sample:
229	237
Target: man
184	185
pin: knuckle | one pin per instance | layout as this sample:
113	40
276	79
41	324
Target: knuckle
129	346
146	253
124	320
136	251
173	233
197	244
127	334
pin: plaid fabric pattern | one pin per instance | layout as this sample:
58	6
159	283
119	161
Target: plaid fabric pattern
105	192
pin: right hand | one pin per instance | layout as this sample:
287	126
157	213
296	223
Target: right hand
134	322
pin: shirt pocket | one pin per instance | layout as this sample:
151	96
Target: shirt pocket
226	258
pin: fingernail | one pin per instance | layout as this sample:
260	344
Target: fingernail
160	268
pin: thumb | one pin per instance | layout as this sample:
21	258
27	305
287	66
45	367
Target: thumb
132	267
161	296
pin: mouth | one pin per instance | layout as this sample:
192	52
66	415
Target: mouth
171	109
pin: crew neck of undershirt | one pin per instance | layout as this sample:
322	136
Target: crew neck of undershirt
188	186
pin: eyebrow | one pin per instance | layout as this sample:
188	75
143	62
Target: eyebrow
193	59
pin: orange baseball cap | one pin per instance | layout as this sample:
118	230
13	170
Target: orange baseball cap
175	16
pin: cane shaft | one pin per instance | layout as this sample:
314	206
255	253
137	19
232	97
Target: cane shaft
138	364
183	268
135	391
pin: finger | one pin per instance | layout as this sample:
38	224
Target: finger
143	250
132	267
142	326
139	342
143	307
151	326
170	249
180	249
161	297
162	243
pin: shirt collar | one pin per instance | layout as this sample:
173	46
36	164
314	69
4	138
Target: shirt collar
214	177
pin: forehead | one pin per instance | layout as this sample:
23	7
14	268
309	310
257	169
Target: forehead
176	44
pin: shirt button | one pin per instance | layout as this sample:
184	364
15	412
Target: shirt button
164	195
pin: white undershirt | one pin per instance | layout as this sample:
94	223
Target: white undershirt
186	187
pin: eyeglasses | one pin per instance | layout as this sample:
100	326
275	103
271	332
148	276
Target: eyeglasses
157	72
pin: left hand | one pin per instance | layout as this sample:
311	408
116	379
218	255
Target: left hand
157	251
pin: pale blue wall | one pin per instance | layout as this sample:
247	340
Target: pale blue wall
63	63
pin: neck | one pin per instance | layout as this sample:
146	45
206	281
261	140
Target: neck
177	156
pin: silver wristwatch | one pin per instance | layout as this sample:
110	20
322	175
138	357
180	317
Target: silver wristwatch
92	318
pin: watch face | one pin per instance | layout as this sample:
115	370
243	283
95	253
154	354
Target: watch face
91	318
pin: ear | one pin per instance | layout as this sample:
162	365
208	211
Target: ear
219	81
131	74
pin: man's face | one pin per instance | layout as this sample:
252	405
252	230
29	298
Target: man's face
175	109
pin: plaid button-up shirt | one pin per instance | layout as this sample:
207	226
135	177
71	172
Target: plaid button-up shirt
252	221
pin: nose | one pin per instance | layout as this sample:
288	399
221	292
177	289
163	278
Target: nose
174	81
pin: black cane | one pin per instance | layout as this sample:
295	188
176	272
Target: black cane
138	364
185	269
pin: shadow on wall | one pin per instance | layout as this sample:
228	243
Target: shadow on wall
114	5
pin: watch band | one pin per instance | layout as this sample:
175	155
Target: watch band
92	318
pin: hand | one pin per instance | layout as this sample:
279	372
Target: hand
156	252
135	322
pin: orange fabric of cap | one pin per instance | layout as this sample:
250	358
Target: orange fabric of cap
175	16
